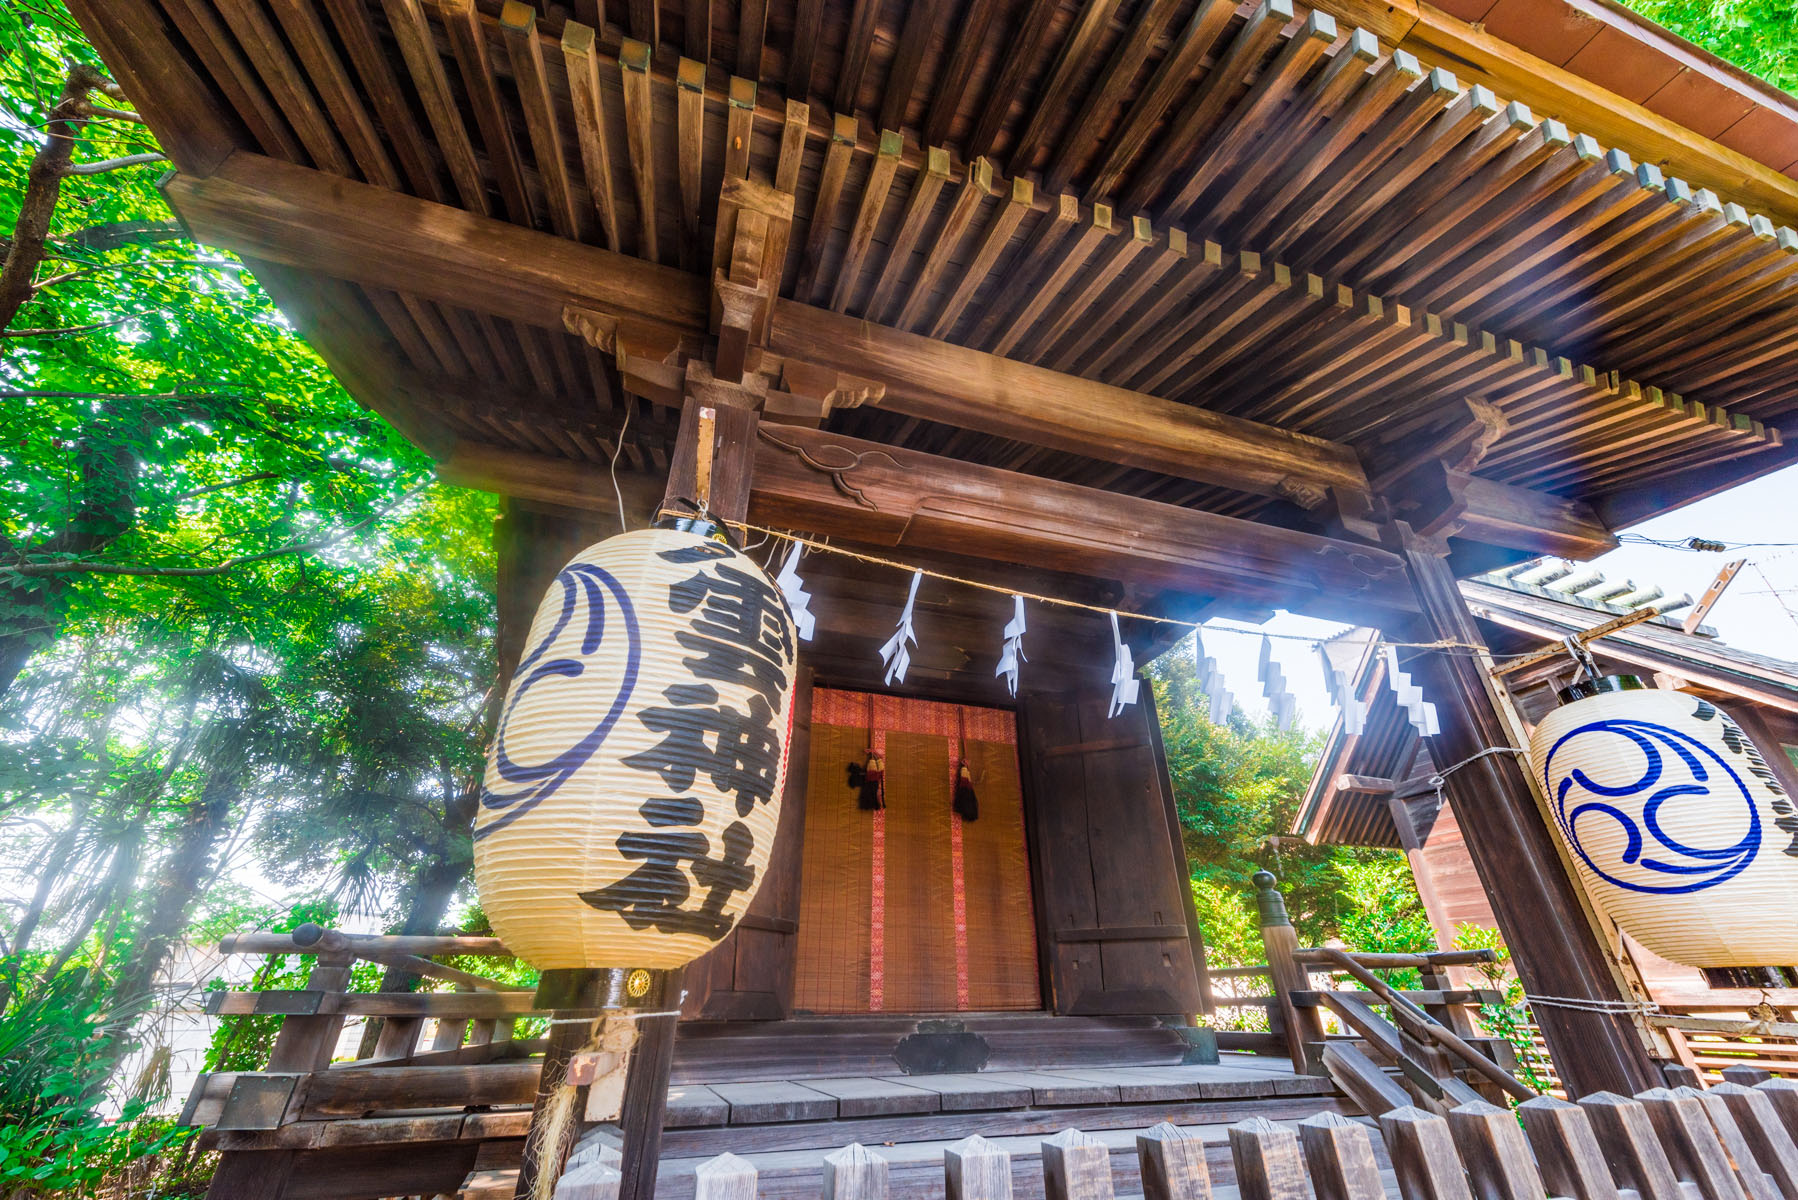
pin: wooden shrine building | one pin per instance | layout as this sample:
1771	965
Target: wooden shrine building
1173	308
1377	787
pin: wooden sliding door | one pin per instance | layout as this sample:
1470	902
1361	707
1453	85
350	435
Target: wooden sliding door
911	908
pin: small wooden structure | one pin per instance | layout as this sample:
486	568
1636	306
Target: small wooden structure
1167	308
1377	788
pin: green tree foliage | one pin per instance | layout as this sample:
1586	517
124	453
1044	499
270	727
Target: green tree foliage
1760	36
1237	788
244	634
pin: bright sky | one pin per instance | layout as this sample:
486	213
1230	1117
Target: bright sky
1758	612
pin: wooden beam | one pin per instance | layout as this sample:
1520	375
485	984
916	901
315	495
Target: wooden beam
139	48
1518	518
906	500
586	97
1482	57
1554	942
303	218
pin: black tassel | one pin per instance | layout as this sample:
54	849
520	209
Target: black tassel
869	781
967	804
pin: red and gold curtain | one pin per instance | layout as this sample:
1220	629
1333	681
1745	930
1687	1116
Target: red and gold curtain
909	908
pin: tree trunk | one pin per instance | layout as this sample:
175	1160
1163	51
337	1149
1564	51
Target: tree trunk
428	899
180	878
43	187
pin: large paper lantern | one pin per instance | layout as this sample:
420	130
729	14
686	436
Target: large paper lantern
1676	824
633	785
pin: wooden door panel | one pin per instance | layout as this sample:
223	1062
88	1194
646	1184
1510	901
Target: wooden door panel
1115	922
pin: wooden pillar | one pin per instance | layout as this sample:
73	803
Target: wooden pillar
1288	975
646	1092
1540	911
574	999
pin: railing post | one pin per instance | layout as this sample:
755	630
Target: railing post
303	1045
1288	975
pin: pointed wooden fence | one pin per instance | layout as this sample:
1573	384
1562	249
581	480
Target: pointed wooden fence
1729	1142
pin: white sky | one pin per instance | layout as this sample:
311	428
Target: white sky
1753	613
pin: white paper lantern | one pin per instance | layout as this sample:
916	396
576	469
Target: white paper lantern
1676	824
633	786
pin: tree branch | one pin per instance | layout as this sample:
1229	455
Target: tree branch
113	164
19	333
73	566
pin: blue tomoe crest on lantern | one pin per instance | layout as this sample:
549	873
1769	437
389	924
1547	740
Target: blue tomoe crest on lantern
583	587
1678	770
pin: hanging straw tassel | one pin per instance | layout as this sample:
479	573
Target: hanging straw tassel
967	804
870	782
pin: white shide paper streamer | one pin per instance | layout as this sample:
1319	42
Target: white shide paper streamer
798	599
1420	712
1124	683
1280	702
1341	686
896	654
1011	651
1211	682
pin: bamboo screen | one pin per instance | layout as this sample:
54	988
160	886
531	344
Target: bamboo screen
910	909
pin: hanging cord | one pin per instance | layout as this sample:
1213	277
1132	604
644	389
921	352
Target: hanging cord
826	548
1441	777
1579	1004
630	404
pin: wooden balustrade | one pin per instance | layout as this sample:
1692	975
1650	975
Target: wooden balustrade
1728	1143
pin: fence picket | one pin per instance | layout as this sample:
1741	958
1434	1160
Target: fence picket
1423	1155
854	1173
1767	1139
1691	1142
1630	1146
1784	1095
1495	1153
725	1177
591	1180
1076	1166
1567	1150
1340	1156
1173	1164
975	1169
1268	1166
1749	1172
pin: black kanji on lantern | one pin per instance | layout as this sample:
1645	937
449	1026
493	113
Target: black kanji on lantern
738	751
656	893
739	635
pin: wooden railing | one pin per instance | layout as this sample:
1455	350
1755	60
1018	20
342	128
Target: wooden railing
289	1104
1734	1028
1425	1045
1728	1143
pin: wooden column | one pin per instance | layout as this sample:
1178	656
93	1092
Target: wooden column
1539	909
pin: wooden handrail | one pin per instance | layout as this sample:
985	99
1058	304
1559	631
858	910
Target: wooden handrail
1420	1023
310	938
1386	962
404	952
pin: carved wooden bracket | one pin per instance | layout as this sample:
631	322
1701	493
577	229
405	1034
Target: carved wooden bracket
649	356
